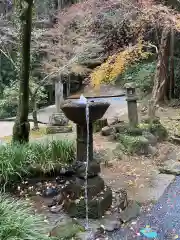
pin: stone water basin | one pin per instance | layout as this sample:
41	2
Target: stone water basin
110	99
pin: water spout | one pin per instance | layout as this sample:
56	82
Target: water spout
82	100
87	162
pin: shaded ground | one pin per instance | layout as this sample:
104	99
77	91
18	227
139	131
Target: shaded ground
139	175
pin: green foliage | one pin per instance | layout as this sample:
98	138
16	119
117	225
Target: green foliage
9	102
20	160
127	129
7	72
159	131
7	108
155	127
18	222
133	144
142	74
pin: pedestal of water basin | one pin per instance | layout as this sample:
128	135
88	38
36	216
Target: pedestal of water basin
99	196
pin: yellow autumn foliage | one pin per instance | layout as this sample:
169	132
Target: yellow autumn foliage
117	64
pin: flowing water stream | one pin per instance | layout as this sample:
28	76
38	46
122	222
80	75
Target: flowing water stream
87	164
84	100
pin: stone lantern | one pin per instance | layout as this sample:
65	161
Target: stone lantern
131	99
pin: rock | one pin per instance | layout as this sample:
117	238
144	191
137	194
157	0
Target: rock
58	129
107	131
175	139
99	124
66	229
131	211
50	192
98	204
57	199
110	224
113	121
170	167
121	199
152	150
159	131
93	169
67	172
58	119
88	235
60	180
56	209
150	137
39	184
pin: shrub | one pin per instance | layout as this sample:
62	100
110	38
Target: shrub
142	74
93	26
133	144
7	108
117	64
17	221
20	160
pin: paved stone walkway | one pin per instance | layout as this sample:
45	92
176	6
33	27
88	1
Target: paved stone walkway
118	107
164	218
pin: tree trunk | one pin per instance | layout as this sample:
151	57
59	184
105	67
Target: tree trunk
21	127
161	85
171	67
34	114
58	95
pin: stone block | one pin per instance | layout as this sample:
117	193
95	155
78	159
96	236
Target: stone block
58	119
150	137
99	124
110	224
93	169
67	229
58	129
97	206
170	167
132	211
107	131
75	189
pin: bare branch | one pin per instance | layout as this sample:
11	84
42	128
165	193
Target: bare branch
9	58
51	74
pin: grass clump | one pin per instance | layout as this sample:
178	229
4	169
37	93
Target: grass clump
133	144
17	221
21	160
156	128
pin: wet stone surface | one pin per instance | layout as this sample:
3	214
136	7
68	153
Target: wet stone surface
170	167
163	218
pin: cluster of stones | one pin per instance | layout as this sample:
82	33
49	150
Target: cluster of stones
58	123
139	138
